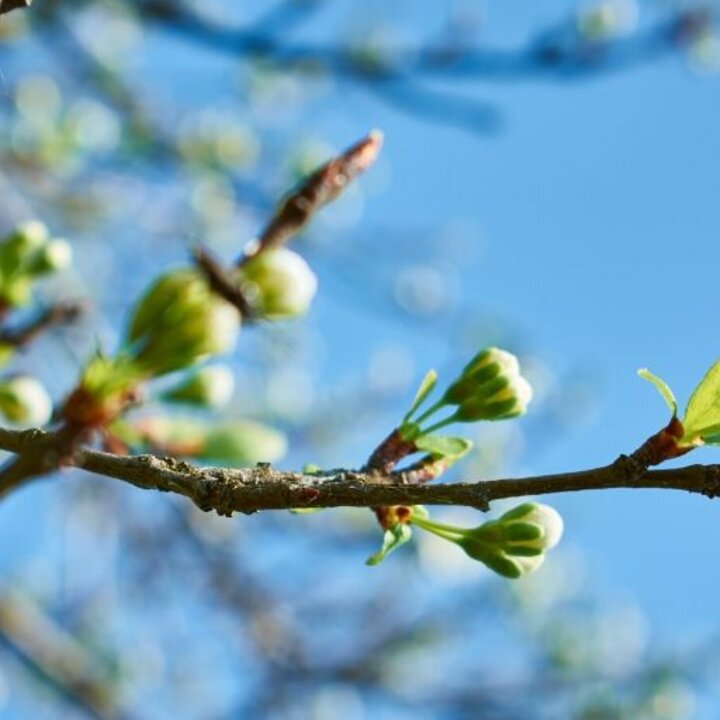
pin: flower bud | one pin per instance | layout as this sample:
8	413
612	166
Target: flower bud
56	255
515	543
21	245
278	283
209	387
24	401
179	322
243	443
486	373
490	388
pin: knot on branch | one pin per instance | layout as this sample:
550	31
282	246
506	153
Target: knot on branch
711	483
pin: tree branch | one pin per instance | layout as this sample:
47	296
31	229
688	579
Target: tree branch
54	315
262	488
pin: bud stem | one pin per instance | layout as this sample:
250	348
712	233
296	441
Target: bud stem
447	532
438	425
430	411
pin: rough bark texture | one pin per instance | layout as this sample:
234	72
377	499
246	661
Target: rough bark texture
263	488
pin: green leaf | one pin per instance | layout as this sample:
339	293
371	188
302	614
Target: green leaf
703	409
662	387
396	536
443	446
426	387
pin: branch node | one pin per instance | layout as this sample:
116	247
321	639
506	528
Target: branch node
711	484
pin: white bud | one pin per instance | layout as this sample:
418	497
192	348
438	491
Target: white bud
279	283
210	387
544	517
24	401
56	255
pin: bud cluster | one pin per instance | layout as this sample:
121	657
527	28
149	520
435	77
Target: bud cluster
26	254
490	387
180	322
513	545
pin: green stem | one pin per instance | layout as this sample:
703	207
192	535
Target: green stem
448	532
432	409
438	425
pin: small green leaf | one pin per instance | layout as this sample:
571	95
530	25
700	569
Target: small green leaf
662	387
426	387
442	446
703	409
305	511
396	536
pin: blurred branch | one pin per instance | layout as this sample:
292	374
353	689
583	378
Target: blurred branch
262	488
54	315
551	53
320	188
50	652
7	5
293	213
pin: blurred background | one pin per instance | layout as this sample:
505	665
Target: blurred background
548	184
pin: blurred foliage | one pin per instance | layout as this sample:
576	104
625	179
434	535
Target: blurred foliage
122	132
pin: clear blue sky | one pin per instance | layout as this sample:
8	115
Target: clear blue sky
598	215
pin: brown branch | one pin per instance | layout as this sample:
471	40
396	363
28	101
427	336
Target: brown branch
293	214
7	5
50	317
222	284
49	651
321	187
262	488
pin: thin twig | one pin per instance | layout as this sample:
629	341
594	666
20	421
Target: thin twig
48	651
58	314
320	188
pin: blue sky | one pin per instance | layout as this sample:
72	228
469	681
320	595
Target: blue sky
597	214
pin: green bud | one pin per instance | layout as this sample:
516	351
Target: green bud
489	388
505	396
513	545
279	283
243	443
7	353
209	387
24	401
16	291
21	245
179	322
528	527
56	255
